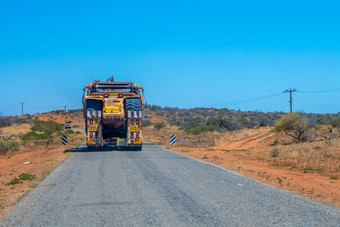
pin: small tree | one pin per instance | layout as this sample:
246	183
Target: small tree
335	123
159	125
293	125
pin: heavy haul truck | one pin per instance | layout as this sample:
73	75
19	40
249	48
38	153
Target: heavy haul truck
113	113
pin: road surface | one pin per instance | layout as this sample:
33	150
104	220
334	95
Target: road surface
157	187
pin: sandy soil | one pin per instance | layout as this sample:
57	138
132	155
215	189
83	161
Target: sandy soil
42	160
246	156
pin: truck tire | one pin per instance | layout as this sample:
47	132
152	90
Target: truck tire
133	104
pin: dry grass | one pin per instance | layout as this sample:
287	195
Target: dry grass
16	130
319	156
239	135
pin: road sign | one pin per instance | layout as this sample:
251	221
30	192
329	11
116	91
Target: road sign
173	139
64	139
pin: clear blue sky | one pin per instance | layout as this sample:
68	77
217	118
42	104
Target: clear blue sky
185	53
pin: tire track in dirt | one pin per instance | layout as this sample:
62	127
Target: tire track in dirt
247	143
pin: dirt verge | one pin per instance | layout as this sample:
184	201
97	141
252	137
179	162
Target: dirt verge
21	171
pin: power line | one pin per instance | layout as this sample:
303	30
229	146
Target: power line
249	100
290	98
320	91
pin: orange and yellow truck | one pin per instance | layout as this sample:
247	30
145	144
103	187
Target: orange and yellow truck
113	113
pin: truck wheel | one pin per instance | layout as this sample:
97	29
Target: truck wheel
133	104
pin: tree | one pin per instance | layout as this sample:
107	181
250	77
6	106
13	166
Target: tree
293	125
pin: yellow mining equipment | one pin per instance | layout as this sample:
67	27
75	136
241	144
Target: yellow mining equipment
113	113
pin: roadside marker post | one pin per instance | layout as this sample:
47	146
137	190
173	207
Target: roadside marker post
173	139
64	139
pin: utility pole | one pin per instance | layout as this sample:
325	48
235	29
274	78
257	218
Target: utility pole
291	98
65	113
22	109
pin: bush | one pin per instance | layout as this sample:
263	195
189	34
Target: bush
198	129
176	123
146	123
14	181
4	122
335	123
69	131
59	133
33	135
293	125
274	152
22	120
243	122
48	127
159	125
9	146
25	176
77	132
22	177
320	120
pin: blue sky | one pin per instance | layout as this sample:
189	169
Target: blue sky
185	53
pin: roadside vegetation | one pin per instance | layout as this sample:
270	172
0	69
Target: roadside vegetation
305	142
201	120
21	132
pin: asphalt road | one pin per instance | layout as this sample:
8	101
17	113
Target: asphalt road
157	187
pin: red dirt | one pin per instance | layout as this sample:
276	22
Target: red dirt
43	160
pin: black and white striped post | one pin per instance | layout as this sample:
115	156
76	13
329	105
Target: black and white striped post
64	139
173	139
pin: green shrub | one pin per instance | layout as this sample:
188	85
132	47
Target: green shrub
69	131
198	129
33	135
48	127
293	125
14	181
59	133
320	120
25	176
9	146
75	126
335	123
77	132
159	125
146	123
274	152
22	177
68	122
176	123
243	121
